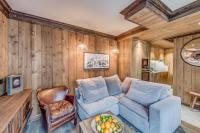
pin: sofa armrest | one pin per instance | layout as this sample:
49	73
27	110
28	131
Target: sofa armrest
165	115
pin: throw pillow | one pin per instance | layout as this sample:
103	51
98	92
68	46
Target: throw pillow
113	85
126	84
145	93
93	89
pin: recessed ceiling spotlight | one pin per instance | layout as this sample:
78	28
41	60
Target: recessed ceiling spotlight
199	23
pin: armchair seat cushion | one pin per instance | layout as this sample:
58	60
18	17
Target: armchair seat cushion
60	109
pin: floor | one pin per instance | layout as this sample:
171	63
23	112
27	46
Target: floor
37	127
190	118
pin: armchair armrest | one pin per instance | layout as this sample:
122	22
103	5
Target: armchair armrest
165	115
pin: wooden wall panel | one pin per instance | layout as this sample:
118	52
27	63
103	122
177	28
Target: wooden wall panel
186	77
168	59
36	63
49	57
157	53
132	51
3	45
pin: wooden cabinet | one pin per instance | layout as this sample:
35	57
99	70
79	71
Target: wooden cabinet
159	77
15	111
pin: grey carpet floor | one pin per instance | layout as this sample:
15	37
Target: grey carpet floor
37	127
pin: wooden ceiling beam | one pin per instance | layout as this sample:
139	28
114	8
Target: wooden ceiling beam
156	6
131	32
185	11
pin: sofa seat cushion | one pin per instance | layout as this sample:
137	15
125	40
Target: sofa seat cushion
135	107
93	108
60	109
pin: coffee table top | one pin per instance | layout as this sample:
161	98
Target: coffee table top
85	125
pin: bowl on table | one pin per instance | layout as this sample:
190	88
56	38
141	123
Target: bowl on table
107	123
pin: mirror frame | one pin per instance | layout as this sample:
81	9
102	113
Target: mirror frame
183	48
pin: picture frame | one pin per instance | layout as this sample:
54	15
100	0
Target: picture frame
14	84
190	52
96	61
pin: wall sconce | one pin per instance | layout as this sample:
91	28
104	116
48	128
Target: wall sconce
115	51
83	47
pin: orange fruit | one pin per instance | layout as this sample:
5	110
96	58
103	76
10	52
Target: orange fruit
106	130
107	124
97	118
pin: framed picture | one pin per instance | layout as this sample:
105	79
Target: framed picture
14	84
190	52
96	61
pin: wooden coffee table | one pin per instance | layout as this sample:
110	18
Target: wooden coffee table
85	126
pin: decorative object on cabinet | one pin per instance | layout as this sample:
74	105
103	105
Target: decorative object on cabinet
14	84
96	61
190	52
2	87
145	63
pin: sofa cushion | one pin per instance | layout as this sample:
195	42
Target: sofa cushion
93	108
93	89
119	95
146	93
126	84
135	107
114	85
60	109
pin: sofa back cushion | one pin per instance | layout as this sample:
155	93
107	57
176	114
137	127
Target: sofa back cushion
92	89
147	93
114	85
126	84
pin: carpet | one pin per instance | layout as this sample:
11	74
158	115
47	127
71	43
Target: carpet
37	127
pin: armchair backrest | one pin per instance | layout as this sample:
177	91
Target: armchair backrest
51	95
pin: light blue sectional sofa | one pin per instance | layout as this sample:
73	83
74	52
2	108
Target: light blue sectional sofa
147	106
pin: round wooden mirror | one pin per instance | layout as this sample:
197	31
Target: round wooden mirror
191	52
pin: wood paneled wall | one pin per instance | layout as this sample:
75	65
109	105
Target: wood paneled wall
168	59
132	51
186	77
157	53
3	45
49	57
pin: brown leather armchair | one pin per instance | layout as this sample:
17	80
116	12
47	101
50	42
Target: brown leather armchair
57	107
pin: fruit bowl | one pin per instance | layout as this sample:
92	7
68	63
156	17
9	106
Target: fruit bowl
107	123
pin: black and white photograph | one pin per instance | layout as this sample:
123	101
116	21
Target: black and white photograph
96	61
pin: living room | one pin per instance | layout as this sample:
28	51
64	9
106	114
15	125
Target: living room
107	66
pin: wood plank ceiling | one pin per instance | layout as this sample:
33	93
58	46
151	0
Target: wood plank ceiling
162	23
